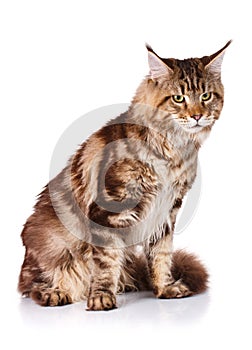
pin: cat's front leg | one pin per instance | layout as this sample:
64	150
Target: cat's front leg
104	279
160	266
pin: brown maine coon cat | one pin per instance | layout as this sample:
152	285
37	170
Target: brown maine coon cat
122	189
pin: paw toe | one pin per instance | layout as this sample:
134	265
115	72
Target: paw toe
51	298
101	302
176	290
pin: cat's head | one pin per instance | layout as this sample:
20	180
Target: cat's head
189	91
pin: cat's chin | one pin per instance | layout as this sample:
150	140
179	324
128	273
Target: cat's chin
193	130
196	129
198	133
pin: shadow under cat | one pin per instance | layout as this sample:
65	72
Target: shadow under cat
136	308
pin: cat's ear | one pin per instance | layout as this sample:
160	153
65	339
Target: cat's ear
213	63
157	67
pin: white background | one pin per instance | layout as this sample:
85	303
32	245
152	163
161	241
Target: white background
62	59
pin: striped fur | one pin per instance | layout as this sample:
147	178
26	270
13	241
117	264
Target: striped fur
122	189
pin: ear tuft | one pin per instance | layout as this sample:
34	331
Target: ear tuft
213	63
148	47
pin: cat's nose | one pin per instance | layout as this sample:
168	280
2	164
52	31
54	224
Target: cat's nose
196	117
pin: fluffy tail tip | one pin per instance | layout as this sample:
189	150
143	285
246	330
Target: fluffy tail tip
190	270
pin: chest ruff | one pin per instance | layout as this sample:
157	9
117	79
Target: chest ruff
137	197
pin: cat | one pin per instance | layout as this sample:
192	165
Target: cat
122	190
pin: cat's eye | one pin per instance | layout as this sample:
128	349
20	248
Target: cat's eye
206	96
178	98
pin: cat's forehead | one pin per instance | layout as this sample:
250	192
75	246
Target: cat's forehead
189	74
190	67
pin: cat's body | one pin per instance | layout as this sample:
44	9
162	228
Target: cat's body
123	187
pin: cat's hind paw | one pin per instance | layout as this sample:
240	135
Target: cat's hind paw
175	290
50	297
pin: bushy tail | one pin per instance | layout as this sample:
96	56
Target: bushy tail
190	270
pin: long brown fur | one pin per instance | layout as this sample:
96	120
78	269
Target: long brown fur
188	268
105	223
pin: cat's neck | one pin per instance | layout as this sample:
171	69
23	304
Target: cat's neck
163	142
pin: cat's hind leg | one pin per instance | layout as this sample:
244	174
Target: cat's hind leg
54	284
33	283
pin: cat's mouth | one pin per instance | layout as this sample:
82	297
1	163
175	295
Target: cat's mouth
193	125
193	128
197	126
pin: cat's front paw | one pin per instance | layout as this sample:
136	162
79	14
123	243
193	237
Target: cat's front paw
101	301
175	290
